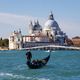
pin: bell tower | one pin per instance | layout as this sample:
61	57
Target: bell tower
30	28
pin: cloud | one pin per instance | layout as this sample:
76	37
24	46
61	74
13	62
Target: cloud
71	27
10	22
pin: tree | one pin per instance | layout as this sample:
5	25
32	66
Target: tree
4	42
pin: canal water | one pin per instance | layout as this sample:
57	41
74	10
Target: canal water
63	65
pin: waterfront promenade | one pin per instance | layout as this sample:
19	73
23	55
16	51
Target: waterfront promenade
4	48
52	47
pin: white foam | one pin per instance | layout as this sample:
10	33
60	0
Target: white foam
43	79
20	76
14	76
5	74
47	51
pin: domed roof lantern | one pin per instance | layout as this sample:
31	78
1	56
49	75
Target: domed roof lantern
51	16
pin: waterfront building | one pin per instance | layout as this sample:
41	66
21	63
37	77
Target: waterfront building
15	40
76	41
53	30
49	34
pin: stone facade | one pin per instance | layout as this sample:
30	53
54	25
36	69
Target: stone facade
50	33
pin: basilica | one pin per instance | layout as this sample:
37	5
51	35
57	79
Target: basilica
39	35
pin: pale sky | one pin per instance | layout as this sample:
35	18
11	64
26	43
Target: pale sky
15	14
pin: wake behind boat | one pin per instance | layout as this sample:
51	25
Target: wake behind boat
35	64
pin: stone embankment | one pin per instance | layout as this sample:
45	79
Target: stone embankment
4	48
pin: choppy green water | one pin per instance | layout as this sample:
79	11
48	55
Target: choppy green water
63	65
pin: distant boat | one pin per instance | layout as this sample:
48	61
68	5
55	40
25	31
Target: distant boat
35	64
47	51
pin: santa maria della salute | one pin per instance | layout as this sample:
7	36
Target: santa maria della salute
49	34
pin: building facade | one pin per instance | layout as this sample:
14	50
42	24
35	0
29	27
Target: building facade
15	40
50	33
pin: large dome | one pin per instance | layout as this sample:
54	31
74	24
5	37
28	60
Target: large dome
51	23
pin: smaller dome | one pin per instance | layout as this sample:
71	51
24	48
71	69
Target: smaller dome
37	26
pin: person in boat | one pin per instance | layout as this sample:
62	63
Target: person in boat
29	55
34	62
37	62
